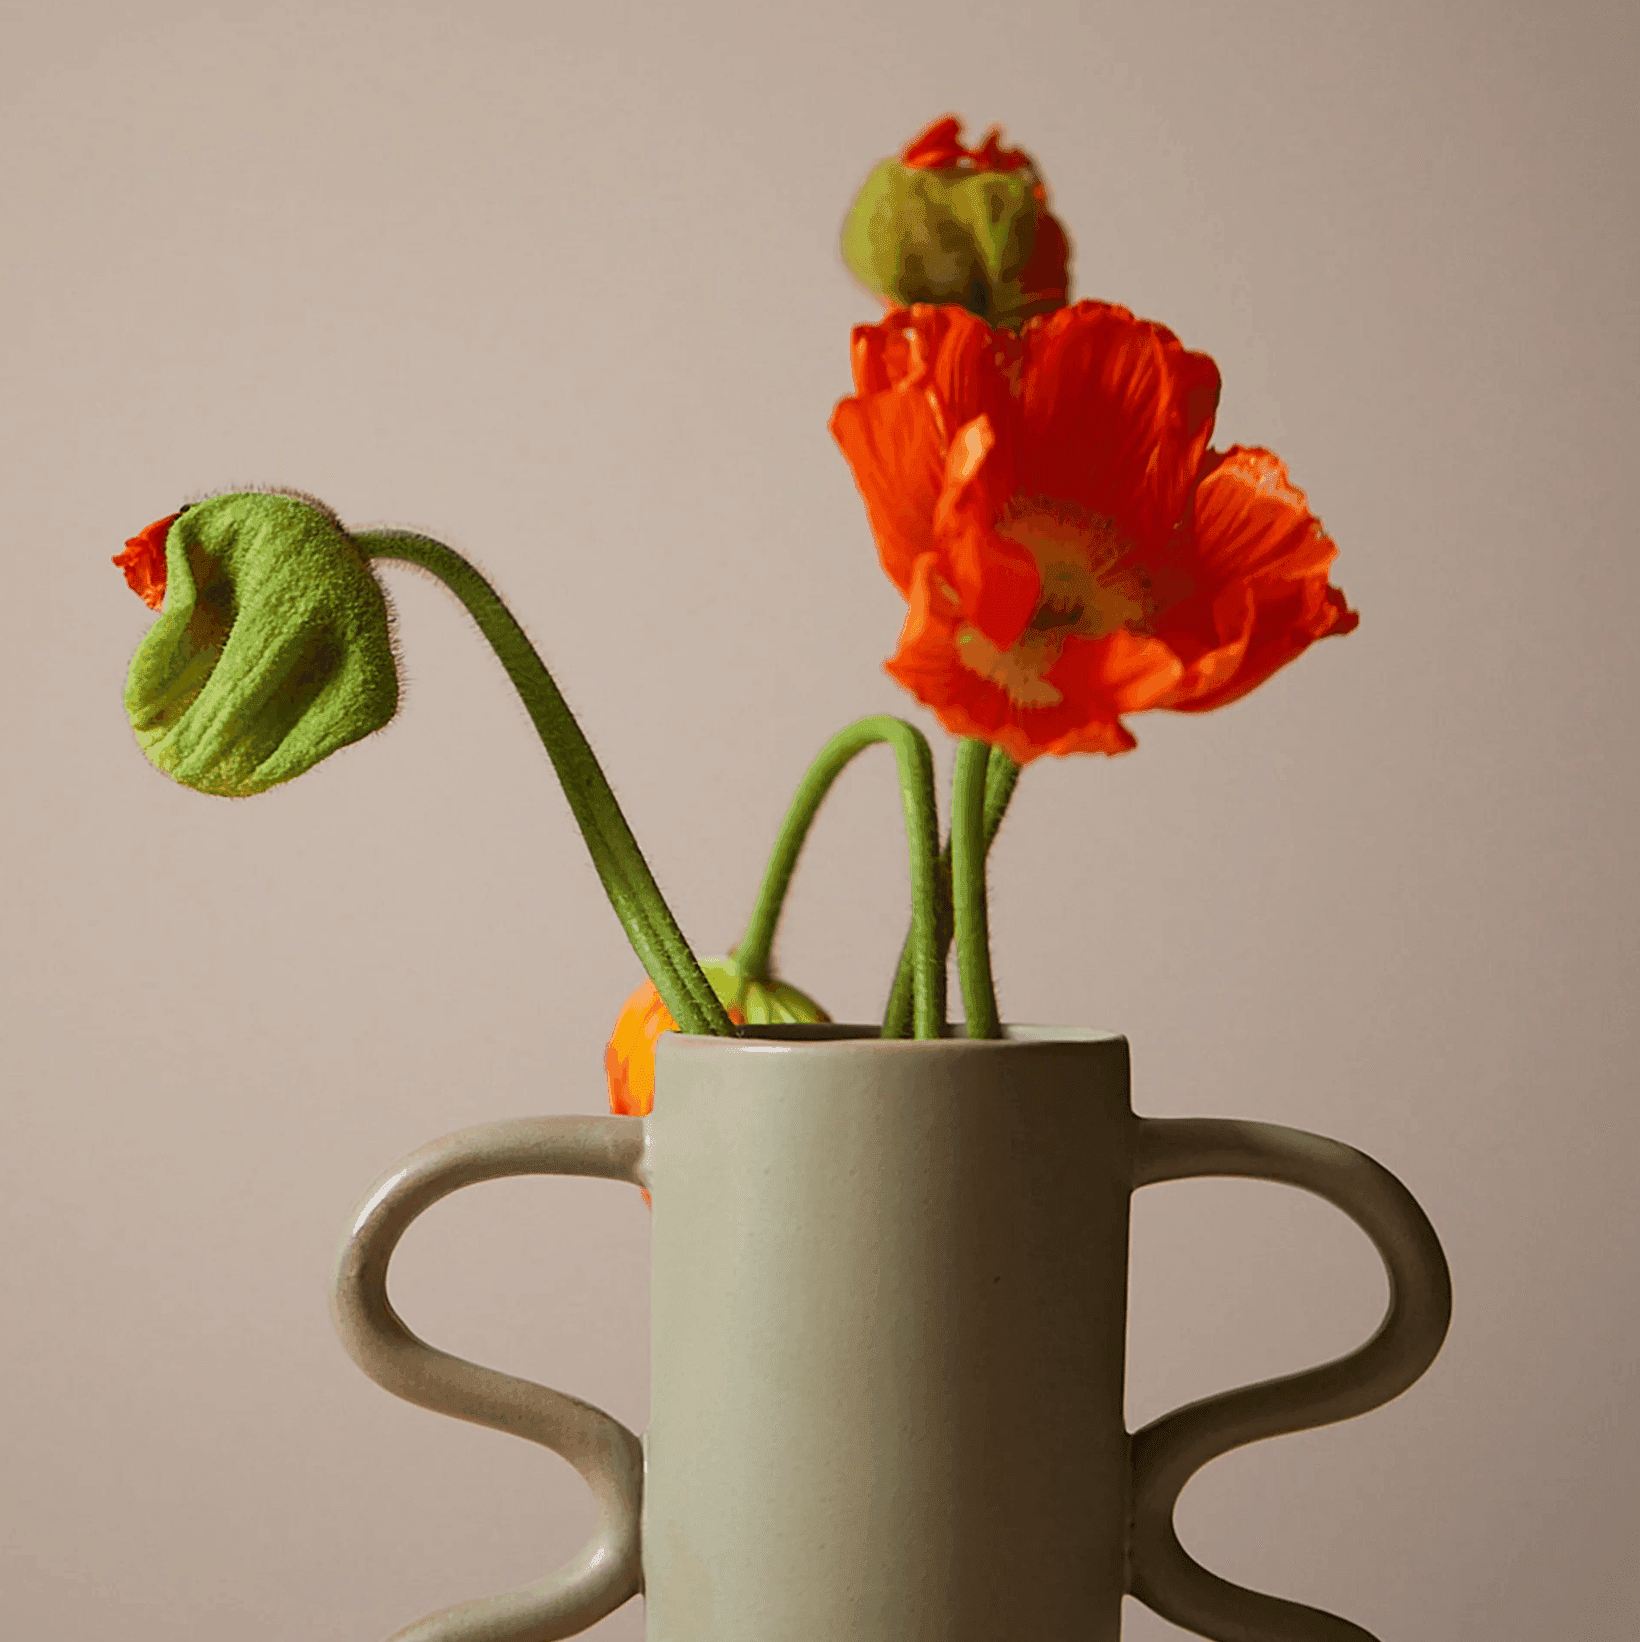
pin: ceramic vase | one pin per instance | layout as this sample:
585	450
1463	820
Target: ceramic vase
888	1328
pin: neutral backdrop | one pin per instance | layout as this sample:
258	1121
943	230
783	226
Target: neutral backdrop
559	285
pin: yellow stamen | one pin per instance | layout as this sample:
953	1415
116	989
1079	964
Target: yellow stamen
1087	590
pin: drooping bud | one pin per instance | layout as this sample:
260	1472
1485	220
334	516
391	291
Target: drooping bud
272	651
944	224
629	1059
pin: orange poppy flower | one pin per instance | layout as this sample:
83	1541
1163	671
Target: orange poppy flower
1070	548
143	561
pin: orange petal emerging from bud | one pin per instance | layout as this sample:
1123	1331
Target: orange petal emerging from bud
940	148
143	561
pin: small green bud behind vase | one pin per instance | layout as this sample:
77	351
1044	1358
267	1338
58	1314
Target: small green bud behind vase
944	224
765	1002
629	1058
272	650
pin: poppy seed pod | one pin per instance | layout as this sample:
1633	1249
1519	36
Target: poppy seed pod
947	225
272	650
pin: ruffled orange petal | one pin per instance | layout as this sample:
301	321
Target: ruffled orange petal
1126	671
992	156
1251	521
1285	627
997	580
926	437
940	148
936	149
143	561
893	445
881	358
1116	417
1263	561
947	351
1210	634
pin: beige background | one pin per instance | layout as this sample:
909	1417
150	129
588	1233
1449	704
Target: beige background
559	286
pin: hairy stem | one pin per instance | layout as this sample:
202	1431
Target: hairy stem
1001	776
627	880
970	915
916	769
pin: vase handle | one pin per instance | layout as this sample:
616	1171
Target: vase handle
605	1452
1169	1451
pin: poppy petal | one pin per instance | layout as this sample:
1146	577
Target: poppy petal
893	447
1210	635
1283	630
1070	549
920	434
998	579
937	148
1252	530
1251	520
143	561
1117	415
948	350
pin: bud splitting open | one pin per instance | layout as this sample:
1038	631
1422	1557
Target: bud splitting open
272	650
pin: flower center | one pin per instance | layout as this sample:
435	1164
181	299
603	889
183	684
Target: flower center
1087	589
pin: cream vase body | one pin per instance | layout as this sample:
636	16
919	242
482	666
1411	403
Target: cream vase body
889	1304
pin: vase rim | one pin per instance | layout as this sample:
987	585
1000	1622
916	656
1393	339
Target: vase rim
867	1037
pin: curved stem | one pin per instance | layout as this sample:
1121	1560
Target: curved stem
754	948
620	864
1001	777
970	915
925	958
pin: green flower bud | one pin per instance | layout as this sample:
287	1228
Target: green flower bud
760	1003
629	1058
272	651
944	224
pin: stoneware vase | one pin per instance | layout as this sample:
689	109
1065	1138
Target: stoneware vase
889	1305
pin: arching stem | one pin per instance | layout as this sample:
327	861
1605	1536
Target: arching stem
627	880
925	956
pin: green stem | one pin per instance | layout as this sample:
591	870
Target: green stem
1001	777
916	767
969	912
754	948
897	1012
620	864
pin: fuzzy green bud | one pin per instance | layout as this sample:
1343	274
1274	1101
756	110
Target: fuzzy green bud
272	650
766	1002
944	224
